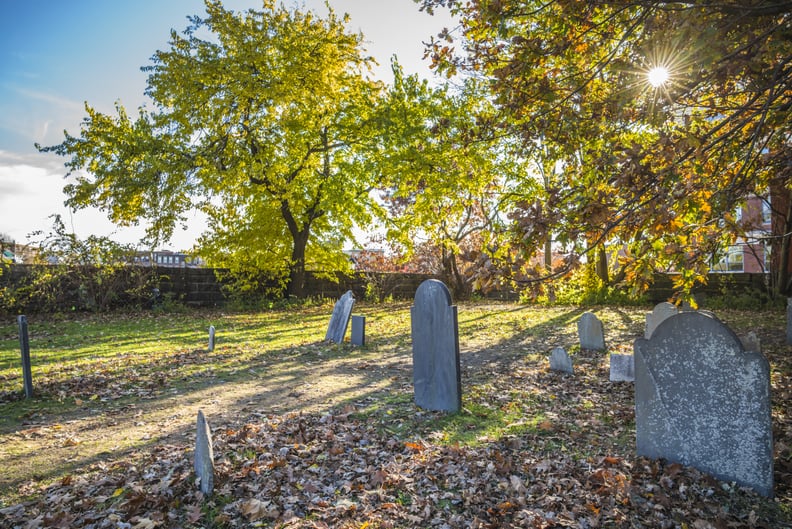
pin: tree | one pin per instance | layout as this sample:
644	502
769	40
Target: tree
261	120
447	171
657	169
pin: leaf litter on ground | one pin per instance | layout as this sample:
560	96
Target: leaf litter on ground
531	448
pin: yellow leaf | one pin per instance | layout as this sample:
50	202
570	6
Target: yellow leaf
118	492
145	523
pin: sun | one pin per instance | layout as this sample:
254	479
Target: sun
658	76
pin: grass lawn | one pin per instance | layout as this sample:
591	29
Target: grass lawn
307	433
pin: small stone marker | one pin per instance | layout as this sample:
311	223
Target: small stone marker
660	313
435	341
358	330
751	342
702	400
622	368
204	456
590	332
560	360
24	346
339	321
211	338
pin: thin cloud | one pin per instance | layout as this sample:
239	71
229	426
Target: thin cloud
46	97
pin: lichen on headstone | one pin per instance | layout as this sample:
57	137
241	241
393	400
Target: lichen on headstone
702	400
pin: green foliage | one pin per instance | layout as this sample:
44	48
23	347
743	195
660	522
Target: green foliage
583	288
658	170
731	296
448	174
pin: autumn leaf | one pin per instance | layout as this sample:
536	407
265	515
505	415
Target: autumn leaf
415	447
145	523
194	513
256	509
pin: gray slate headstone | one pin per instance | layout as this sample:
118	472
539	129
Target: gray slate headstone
211	338
358	331
339	321
622	368
435	341
590	332
789	322
703	401
204	455
560	360
660	313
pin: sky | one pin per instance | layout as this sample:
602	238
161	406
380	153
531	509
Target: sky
56	55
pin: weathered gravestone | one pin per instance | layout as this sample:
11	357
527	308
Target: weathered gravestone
211	338
751	342
622	368
435	341
660	313
339	321
358	336
789	322
590	332
560	360
204	456
702	400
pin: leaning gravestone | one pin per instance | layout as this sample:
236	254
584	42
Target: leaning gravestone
339	321
702	400
560	360
590	332
660	313
435	340
204	456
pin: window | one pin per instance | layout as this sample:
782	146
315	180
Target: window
767	212
732	261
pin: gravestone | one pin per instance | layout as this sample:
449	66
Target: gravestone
24	346
660	313
751	342
590	332
204	455
560	360
358	331
211	338
339	321
435	341
622	368
702	400
789	322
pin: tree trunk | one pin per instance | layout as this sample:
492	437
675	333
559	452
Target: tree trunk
459	287
783	249
781	224
602	265
297	276
548	254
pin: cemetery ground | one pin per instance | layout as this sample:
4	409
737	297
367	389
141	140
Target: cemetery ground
310	434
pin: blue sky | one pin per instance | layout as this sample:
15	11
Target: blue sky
55	55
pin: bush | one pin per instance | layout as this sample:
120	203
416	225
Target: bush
583	288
